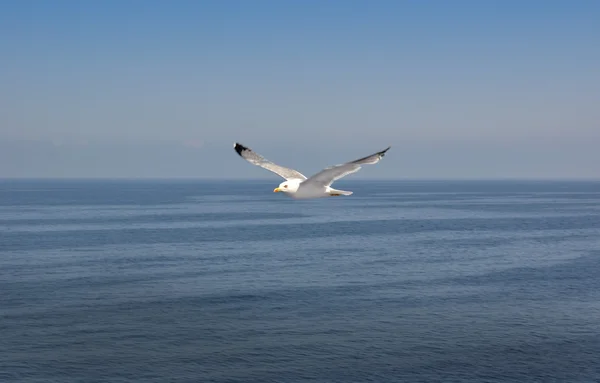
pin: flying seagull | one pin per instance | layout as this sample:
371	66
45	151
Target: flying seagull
298	186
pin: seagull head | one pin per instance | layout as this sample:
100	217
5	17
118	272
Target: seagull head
287	187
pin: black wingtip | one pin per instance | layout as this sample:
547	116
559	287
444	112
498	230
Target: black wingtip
239	148
385	150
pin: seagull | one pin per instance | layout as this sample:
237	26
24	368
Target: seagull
297	185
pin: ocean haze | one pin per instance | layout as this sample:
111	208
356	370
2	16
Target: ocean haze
407	159
465	89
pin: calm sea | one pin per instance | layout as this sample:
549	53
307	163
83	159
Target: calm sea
197	281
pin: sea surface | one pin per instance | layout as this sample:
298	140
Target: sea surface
206	281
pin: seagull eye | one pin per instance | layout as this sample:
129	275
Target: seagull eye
285	186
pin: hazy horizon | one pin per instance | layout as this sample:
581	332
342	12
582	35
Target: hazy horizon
461	90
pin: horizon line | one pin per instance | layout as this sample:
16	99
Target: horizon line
362	179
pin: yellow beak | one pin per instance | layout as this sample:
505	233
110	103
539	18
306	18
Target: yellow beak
276	190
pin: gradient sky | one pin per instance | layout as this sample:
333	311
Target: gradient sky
460	89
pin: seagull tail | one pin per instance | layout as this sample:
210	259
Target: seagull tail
335	192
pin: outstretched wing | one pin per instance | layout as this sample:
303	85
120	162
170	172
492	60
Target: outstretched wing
328	175
258	160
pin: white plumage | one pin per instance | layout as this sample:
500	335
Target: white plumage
297	185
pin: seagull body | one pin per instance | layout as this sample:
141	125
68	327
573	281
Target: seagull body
297	185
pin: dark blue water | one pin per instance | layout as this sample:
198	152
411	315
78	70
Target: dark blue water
185	281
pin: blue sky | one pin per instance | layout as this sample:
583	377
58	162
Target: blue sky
461	89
